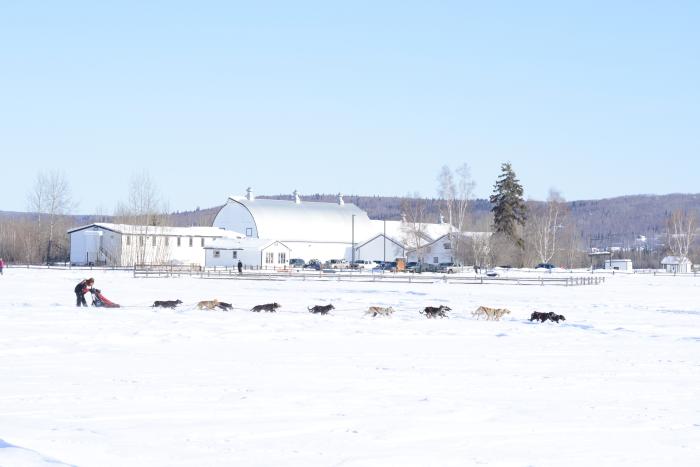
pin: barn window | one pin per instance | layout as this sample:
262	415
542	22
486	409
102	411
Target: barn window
217	254
179	241
191	241
235	255
154	240
128	239
249	232
269	258
167	241
202	242
281	258
141	240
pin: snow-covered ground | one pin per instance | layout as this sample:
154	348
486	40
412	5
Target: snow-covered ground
617	383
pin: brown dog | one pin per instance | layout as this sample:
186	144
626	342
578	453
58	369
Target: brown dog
208	304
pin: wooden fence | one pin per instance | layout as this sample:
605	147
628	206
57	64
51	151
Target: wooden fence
334	276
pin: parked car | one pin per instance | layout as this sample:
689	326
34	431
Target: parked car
548	266
413	266
313	264
296	263
449	268
363	264
385	266
337	264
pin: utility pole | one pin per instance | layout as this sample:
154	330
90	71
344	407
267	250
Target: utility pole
384	241
353	242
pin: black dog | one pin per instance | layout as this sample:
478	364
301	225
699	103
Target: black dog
166	303
546	316
225	306
433	312
321	309
540	316
554	317
271	307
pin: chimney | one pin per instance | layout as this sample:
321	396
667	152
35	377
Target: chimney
297	200
340	199
249	194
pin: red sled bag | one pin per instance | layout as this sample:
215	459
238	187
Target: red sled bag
100	300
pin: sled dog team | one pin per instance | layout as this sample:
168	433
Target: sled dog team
491	314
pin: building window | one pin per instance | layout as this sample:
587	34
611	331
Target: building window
436	260
128	239
447	246
141	240
249	232
167	241
235	255
281	258
269	258
191	241
217	254
202	242
179	241
154	240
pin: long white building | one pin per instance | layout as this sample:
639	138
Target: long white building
126	245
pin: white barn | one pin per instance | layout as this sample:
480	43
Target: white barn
312	230
126	245
251	252
677	265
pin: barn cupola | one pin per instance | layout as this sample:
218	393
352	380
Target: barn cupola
297	200
249	194
340	199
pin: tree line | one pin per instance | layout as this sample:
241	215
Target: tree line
521	232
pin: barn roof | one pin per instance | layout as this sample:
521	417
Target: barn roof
307	220
675	260
160	230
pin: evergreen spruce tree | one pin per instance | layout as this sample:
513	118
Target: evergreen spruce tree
509	208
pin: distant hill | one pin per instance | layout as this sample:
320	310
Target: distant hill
614	221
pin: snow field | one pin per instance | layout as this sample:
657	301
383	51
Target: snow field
615	384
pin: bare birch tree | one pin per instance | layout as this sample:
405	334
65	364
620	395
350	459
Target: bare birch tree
681	228
543	227
146	214
456	196
49	199
413	223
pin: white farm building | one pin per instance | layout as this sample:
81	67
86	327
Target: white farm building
126	245
253	253
677	264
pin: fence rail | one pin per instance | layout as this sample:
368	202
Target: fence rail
145	271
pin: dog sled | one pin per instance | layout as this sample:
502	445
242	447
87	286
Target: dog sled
99	300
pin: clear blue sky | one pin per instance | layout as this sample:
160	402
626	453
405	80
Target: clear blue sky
596	99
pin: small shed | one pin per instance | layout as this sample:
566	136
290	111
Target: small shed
677	264
619	265
252	252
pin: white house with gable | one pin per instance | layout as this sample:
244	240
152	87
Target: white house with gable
380	248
